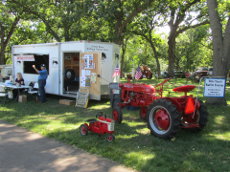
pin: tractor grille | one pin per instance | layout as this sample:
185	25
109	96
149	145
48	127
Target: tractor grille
111	126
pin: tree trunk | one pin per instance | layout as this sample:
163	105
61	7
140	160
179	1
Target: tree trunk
5	38
156	58
122	58
2	57
220	50
171	52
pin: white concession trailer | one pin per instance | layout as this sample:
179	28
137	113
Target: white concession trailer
70	66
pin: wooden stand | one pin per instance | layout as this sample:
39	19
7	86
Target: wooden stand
82	98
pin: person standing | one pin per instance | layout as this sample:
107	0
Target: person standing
43	74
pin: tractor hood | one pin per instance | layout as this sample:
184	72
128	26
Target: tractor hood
140	88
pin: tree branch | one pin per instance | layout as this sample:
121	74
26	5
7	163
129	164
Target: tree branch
11	31
190	27
46	22
135	12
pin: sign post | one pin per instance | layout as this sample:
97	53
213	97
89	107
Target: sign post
214	87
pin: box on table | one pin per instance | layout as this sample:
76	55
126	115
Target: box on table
22	98
66	102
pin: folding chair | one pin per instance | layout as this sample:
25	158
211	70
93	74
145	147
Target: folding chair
33	90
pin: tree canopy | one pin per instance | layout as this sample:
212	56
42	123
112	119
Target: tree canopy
133	24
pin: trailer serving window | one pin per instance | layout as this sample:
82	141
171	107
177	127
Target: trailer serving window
38	60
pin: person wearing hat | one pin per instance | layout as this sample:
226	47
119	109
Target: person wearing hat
43	74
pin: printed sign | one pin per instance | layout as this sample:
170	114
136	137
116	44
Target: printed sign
88	61
25	58
85	81
214	87
85	72
82	81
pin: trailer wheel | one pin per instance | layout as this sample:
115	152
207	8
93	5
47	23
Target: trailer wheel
110	138
69	74
117	114
143	113
83	129
163	119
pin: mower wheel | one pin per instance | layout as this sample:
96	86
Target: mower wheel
117	114
110	138
83	129
163	119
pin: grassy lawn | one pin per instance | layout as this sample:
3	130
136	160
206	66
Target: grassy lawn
207	151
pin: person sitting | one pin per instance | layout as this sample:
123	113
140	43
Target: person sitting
18	81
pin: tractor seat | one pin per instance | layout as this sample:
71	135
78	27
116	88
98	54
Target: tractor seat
184	88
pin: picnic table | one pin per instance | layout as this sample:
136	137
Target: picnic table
9	87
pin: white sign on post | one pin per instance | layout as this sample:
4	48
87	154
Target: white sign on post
214	87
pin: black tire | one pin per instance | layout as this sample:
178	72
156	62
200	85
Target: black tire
69	75
202	117
110	138
83	129
117	115
163	119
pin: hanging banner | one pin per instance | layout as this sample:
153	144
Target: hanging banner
25	58
214	87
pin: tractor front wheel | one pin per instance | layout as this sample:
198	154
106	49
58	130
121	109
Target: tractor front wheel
117	114
110	138
83	129
163	119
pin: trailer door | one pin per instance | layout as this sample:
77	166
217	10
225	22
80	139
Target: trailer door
90	73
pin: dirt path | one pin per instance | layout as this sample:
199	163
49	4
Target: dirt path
24	151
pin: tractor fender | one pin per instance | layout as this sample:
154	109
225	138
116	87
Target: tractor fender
175	102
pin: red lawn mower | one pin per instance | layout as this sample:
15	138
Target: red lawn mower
164	115
101	125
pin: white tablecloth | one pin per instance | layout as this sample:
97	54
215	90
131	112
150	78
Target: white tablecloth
13	86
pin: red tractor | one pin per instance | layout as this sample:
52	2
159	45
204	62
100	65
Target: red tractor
101	125
164	115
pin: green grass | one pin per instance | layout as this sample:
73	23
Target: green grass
207	151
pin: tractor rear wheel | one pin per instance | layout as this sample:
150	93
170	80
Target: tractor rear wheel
163	119
201	116
83	129
117	114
